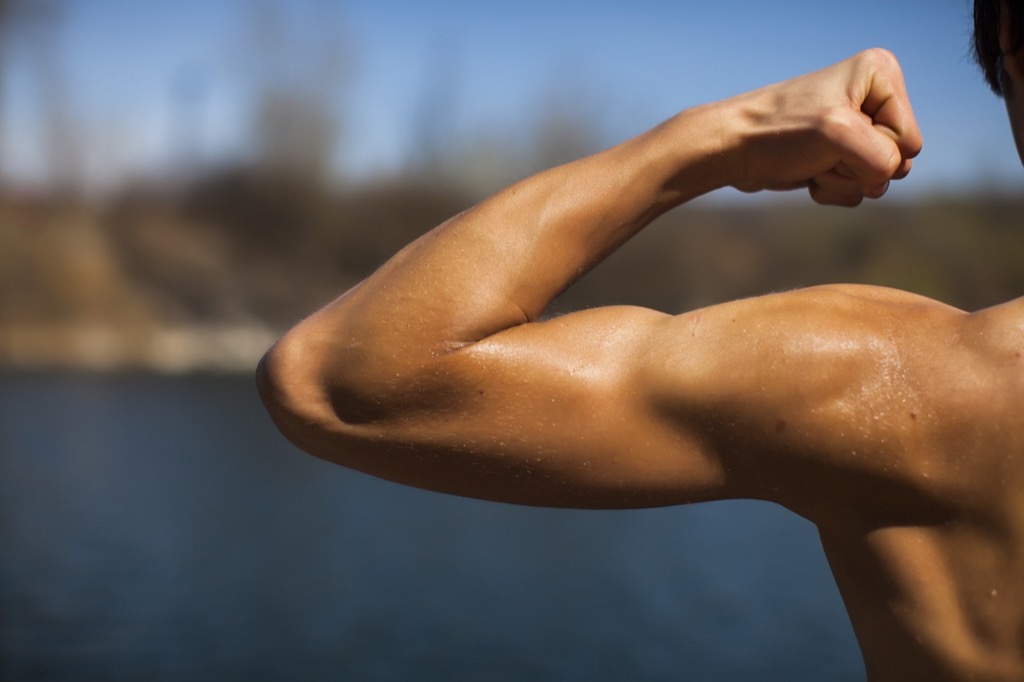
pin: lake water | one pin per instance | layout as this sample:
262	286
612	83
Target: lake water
160	529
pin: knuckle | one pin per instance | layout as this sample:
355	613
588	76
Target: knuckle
835	122
879	57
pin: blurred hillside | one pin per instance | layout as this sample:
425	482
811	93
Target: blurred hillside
206	277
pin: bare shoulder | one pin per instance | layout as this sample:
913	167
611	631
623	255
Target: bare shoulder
999	330
851	392
941	530
797	339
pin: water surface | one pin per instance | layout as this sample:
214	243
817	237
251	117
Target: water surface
160	529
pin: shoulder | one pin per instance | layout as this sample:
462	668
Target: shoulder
823	397
797	338
998	332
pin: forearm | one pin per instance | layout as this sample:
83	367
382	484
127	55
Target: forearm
500	263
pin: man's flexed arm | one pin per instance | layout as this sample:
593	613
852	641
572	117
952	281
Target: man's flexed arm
387	361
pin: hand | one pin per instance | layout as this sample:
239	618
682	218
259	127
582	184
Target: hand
843	132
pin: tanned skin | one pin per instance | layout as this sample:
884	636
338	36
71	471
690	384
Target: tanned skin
891	421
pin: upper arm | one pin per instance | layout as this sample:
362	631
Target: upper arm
567	413
617	407
560	412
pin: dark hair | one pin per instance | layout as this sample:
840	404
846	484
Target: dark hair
987	51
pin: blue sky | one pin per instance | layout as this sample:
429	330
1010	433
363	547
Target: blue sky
487	66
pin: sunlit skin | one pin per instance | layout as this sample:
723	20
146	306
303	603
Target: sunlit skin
891	421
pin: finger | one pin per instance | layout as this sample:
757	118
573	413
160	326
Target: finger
867	155
838	181
878	192
828	197
903	170
843	170
887	103
787	186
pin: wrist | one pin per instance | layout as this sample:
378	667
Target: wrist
702	148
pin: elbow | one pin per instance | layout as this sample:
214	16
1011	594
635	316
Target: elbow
272	383
333	405
294	392
323	397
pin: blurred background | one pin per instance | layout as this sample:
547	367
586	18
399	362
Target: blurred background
180	181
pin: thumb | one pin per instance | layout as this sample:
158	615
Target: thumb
868	154
885	101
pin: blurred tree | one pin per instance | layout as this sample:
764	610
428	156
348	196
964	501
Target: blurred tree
31	28
9	12
277	199
61	136
568	124
189	92
296	78
434	124
564	126
294	133
5	9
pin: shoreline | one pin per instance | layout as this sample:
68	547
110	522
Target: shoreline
168	349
